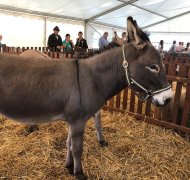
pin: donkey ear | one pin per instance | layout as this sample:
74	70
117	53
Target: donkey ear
135	35
117	39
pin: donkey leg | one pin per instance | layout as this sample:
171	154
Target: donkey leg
97	122
69	159
77	132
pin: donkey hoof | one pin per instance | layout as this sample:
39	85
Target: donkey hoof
81	177
70	169
103	143
30	129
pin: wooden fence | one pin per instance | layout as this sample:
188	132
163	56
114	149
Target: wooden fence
178	73
79	53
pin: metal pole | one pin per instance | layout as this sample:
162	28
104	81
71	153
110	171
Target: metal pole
85	30
94	28
45	27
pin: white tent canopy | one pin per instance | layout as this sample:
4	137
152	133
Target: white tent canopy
29	23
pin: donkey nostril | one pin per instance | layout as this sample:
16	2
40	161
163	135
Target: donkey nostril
167	101
158	104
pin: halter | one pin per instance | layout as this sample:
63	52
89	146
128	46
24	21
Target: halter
131	82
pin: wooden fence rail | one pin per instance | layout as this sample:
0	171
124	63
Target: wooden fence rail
178	73
174	115
78	53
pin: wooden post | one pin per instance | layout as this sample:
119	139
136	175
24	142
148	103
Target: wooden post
118	98
111	102
139	106
132	102
185	120
148	108
125	98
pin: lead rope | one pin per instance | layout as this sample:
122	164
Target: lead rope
125	65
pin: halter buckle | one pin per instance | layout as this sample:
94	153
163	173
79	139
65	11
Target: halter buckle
150	92
125	64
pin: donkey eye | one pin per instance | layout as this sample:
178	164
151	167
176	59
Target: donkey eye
153	68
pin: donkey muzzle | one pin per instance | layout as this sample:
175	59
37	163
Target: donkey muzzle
162	98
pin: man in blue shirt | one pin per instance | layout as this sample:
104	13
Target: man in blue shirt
103	40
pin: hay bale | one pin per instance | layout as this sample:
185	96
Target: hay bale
136	151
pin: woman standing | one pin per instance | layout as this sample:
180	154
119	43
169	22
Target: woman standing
161	48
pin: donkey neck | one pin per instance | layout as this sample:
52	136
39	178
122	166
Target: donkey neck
108	72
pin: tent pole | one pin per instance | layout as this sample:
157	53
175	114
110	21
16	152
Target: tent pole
85	29
45	27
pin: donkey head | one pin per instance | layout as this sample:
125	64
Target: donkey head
146	71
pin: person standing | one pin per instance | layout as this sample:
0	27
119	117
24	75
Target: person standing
1	37
81	42
103	40
55	40
161	48
173	47
67	44
124	37
180	47
187	47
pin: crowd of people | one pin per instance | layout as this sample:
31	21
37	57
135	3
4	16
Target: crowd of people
180	48
55	42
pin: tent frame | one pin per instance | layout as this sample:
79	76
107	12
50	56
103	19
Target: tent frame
92	20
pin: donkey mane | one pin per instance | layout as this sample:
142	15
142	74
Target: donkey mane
98	63
105	61
97	51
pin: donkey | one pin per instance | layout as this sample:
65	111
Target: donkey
37	91
97	117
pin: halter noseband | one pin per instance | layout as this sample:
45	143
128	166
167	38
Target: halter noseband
131	82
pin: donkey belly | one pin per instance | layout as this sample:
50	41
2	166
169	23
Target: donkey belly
31	118
41	109
34	119
32	111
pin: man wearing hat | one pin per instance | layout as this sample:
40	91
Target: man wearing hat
55	40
